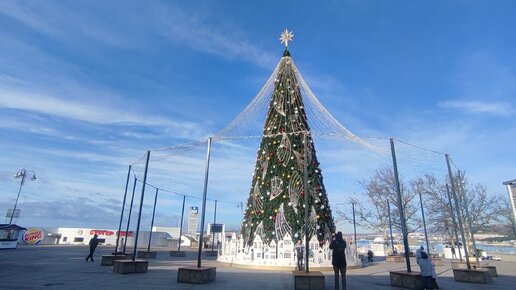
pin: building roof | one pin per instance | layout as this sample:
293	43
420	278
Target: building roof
11	227
510	182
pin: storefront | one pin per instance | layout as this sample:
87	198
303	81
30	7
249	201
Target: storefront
83	236
9	235
161	236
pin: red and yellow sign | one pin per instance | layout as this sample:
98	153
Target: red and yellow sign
102	232
33	236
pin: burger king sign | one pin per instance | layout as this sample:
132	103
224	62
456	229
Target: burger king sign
33	236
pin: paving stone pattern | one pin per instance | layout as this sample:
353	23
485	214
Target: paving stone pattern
64	267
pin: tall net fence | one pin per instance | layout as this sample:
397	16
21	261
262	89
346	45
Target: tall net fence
349	165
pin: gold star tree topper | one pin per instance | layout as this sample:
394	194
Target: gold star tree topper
286	37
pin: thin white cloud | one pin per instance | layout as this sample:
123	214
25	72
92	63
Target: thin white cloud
64	23
222	39
93	113
26	16
495	108
96	112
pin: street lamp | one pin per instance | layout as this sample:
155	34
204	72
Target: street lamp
22	174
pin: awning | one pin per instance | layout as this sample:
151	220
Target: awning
11	227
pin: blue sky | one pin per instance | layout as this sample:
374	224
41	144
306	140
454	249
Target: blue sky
87	86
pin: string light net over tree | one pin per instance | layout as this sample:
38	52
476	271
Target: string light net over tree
275	206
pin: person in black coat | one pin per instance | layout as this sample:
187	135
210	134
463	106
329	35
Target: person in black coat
370	256
94	242
338	259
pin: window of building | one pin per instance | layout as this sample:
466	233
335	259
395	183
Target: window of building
78	240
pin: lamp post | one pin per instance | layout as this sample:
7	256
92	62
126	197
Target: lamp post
23	173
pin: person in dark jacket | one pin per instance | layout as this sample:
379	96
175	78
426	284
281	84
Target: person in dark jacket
370	256
338	259
94	242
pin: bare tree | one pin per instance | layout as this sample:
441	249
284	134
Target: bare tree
436	202
372	212
505	214
483	208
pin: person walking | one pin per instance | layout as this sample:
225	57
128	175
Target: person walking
418	253
94	242
428	273
338	259
370	256
300	251
453	253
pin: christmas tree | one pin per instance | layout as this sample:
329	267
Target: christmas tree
275	206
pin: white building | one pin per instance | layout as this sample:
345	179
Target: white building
511	189
161	236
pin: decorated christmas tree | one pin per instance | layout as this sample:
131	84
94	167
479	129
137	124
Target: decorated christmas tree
276	205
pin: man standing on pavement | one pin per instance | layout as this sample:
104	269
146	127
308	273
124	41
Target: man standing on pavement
453	253
338	259
94	242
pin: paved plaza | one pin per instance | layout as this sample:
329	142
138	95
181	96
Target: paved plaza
64	267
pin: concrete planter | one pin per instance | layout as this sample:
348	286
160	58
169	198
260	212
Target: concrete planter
308	281
491	269
459	265
194	275
482	276
147	255
108	260
409	280
130	267
177	254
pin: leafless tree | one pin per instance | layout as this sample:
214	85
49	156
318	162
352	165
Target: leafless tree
505	214
483	208
436	203
372	212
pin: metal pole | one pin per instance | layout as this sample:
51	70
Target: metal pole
181	226
424	223
152	220
122	212
130	211
390	225
141	204
400	207
214	221
305	189
465	198
354	228
206	174
18	196
454	222
459	216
